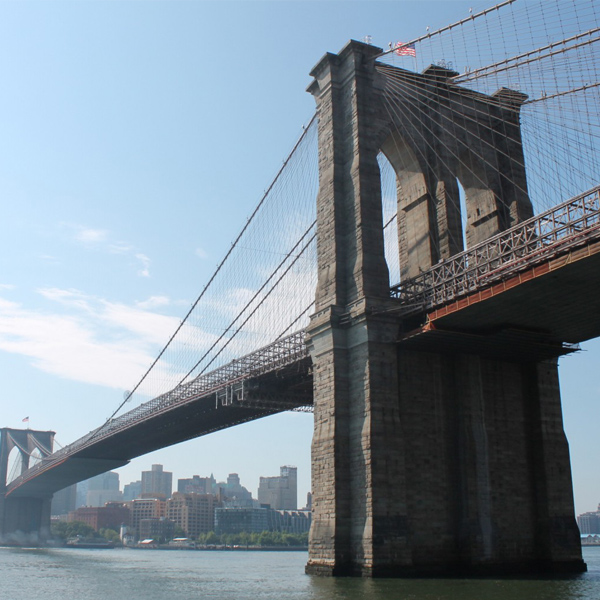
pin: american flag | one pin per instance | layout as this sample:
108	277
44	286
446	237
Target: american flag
405	49
26	420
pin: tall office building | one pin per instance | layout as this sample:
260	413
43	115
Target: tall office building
102	489
196	485
81	495
64	501
232	492
281	492
589	522
132	490
157	483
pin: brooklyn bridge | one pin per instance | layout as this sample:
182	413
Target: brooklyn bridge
416	296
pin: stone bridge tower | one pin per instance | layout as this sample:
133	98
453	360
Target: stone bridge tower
23	519
424	462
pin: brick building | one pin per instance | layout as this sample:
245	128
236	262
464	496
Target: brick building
157	529
194	513
146	508
110	516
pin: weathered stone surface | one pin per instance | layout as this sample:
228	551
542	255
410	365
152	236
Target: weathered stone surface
23	520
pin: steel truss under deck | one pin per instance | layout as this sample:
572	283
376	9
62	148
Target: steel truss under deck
227	383
541	238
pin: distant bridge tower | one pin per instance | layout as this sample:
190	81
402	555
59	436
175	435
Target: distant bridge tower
23	519
423	461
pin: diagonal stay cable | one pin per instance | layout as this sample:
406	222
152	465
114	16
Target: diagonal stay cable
527	57
468	19
295	320
262	287
218	269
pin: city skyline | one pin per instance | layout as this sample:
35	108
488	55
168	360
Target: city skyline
155	483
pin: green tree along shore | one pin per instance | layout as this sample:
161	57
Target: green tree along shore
265	538
64	531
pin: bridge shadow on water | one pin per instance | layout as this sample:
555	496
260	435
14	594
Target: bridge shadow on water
579	587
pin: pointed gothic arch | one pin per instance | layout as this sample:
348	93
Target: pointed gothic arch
435	133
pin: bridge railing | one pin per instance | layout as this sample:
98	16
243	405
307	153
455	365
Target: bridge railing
528	243
280	353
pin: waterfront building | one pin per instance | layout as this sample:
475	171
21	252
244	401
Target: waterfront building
238	520
257	520
146	508
281	492
161	529
589	522
289	521
110	516
194	513
127	535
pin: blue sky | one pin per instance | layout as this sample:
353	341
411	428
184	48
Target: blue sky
136	138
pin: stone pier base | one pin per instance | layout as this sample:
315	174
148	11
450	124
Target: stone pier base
482	484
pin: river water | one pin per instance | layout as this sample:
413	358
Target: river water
77	574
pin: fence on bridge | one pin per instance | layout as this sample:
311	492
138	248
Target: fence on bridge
536	240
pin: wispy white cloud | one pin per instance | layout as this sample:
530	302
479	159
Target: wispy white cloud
67	346
201	253
101	239
71	298
120	248
95	341
49	259
145	269
147	326
90	236
7	286
154	302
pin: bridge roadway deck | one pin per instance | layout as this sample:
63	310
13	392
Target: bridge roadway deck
530	293
542	312
245	398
